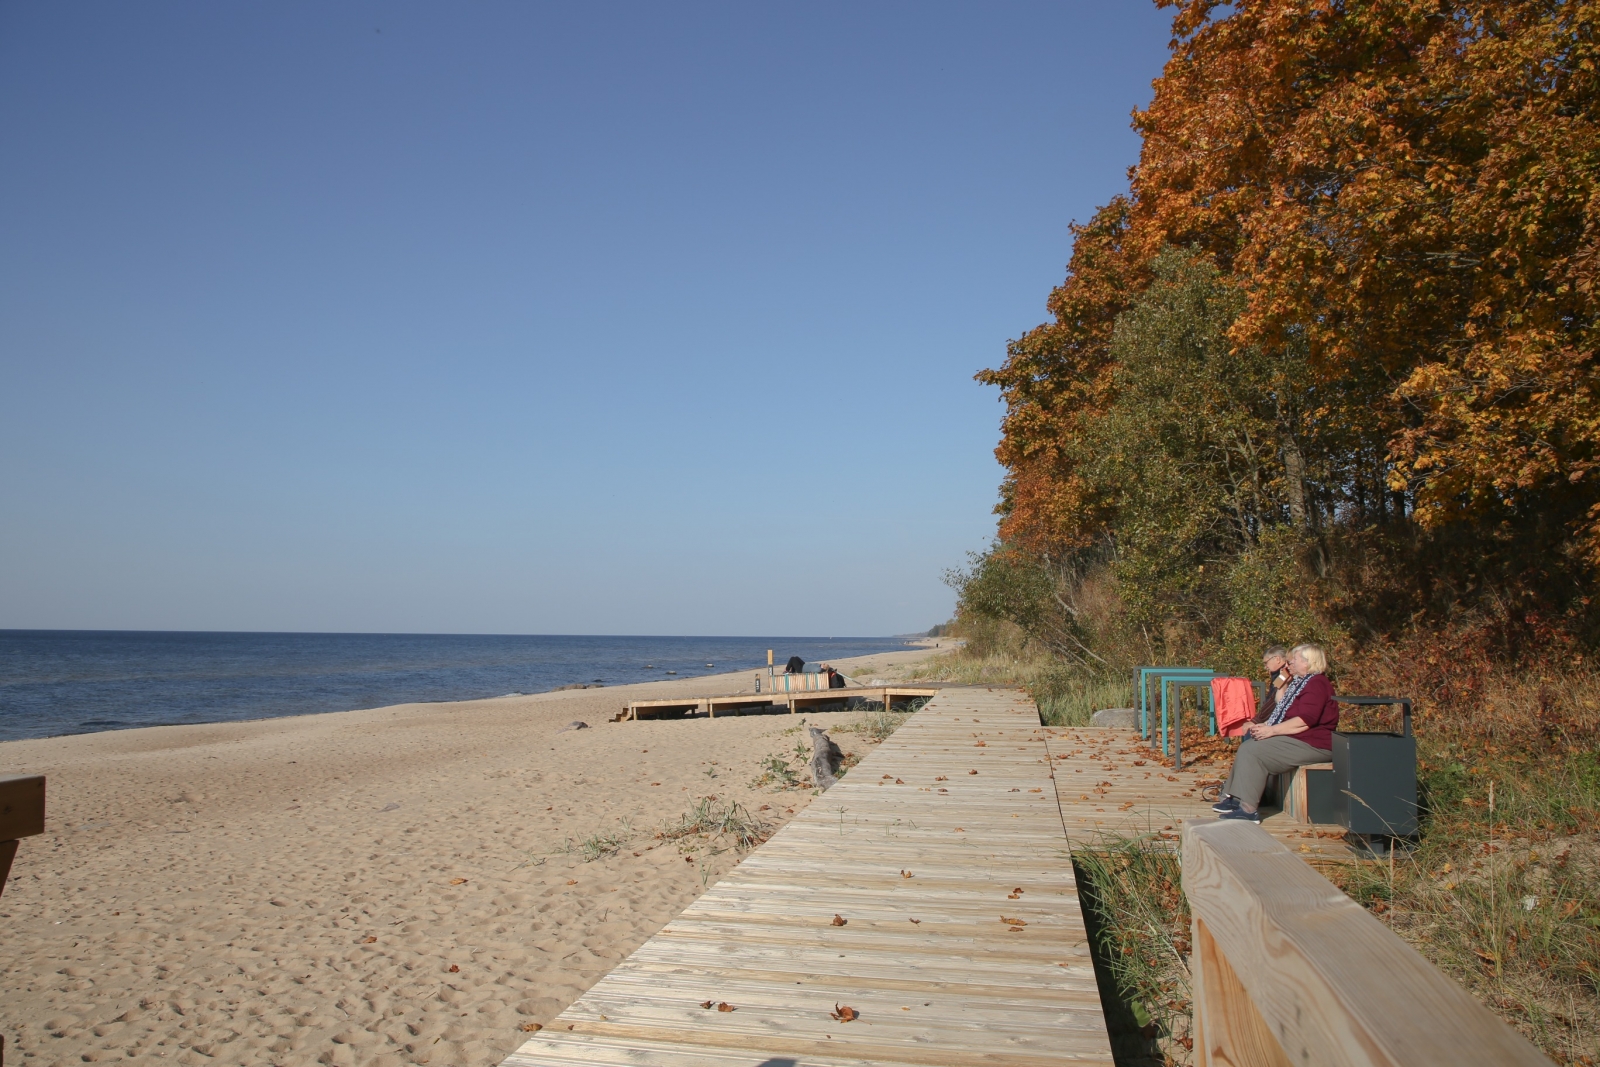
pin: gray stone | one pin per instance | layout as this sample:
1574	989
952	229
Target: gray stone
574	725
825	757
1126	718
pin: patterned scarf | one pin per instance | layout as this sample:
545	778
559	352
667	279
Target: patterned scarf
1290	692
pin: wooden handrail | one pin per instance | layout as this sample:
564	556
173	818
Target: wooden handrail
1287	969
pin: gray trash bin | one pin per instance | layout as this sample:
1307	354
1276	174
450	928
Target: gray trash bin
1375	776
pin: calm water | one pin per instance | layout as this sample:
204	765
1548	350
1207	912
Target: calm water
77	681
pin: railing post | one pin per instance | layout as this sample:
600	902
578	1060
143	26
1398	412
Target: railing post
1288	969
1228	1030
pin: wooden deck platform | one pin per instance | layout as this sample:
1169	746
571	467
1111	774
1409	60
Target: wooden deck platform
1111	782
800	700
946	853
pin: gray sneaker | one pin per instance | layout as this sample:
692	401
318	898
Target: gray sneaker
1225	805
1247	816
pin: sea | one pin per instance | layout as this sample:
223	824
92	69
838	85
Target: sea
55	682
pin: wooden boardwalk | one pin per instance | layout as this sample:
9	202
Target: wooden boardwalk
925	956
960	822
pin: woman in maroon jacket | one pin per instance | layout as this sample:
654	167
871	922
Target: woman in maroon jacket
1299	731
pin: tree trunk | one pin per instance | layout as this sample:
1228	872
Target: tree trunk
1294	469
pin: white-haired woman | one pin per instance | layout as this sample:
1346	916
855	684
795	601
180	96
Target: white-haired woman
1299	731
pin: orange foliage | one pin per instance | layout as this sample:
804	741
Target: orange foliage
1408	188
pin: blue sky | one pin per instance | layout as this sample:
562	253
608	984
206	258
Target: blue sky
528	318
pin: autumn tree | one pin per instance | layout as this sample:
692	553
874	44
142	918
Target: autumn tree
1398	199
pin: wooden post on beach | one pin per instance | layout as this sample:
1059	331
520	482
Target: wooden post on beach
21	815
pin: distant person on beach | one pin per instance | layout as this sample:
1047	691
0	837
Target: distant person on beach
835	679
1299	731
795	665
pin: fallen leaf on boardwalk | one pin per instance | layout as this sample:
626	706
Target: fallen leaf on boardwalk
1013	922
531	1028
1138	763
899	781
839	920
905	874
458	881
844	1014
942	778
972	772
958	830
917	921
942	789
706	1003
1036	790
888	776
981	744
455	968
725	1006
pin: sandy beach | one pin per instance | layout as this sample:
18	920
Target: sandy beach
405	885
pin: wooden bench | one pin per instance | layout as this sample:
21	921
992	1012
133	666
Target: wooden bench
1286	969
1309	794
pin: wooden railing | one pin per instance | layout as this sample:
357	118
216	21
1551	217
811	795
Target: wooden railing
1288	970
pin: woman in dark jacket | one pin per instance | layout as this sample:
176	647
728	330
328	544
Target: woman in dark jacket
1299	731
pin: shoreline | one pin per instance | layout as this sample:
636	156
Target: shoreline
297	889
917	646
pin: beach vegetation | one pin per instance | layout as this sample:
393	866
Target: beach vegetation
1137	918
719	822
599	844
777	771
876	725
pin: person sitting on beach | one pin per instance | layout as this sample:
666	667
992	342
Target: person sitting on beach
835	679
1275	661
1298	731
